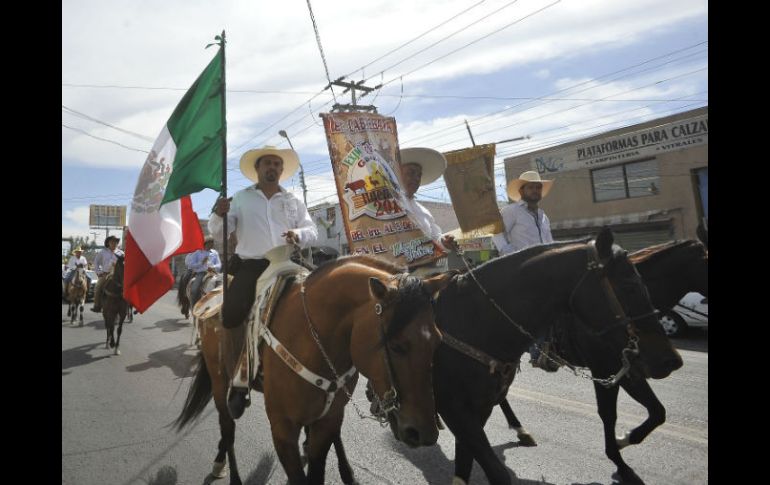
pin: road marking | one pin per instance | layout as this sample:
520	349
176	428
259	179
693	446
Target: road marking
673	430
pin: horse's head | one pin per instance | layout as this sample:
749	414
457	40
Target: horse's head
611	298
80	279
400	370
115	281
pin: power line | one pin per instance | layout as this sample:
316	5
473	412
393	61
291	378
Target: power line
85	116
104	139
321	49
447	37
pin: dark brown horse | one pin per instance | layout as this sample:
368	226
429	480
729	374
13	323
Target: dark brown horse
669	271
114	307
497	310
76	294
368	317
186	300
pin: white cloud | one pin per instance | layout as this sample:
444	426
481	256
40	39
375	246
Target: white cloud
272	47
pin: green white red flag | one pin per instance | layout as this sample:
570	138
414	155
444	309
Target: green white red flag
186	158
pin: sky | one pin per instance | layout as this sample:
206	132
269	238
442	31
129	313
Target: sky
552	70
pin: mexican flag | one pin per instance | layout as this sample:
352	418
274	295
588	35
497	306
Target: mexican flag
186	158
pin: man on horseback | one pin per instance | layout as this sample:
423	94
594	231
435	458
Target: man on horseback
262	216
76	260
200	262
526	225
103	263
424	166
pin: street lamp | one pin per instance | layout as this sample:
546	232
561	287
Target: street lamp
301	170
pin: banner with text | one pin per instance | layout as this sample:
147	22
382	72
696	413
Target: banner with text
364	153
629	146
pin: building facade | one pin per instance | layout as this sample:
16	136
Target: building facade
648	182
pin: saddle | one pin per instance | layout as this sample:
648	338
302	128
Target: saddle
270	286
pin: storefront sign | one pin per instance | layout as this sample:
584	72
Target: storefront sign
629	146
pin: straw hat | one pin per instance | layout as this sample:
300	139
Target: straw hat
77	249
289	157
432	162
525	178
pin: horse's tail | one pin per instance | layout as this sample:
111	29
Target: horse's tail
199	396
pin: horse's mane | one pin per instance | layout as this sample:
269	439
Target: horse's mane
519	257
653	253
376	263
411	291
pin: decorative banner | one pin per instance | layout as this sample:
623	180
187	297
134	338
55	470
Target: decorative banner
364	152
470	180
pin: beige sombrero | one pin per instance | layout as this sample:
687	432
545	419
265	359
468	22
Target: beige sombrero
525	178
77	249
432	162
289	157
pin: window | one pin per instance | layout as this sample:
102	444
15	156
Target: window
636	179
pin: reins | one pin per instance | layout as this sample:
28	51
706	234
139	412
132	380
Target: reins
632	349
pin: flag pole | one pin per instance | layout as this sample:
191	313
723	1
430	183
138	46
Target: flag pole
224	171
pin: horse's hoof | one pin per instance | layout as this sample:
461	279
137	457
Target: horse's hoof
117	352
526	439
624	440
219	470
458	481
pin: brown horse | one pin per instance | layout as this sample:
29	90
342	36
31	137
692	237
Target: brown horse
114	305
76	295
355	314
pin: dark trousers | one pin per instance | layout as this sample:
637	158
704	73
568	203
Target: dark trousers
240	294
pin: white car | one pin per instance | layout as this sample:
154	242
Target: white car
691	311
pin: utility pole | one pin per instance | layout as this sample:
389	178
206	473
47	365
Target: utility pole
301	182
352	87
301	170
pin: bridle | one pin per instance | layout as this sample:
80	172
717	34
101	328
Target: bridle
597	266
389	402
593	265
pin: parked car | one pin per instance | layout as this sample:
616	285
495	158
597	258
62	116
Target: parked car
691	311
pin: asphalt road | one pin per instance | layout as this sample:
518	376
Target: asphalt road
116	411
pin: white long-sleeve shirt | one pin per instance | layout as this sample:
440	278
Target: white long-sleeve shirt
522	228
424	220
75	261
105	260
258	222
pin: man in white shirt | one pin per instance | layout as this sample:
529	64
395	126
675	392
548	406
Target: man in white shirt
525	224
201	261
422	166
263	216
103	263
77	259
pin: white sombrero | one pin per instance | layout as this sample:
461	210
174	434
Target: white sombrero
432	162
525	178
289	157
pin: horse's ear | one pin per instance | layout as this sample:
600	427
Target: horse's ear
439	281
377	288
604	243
